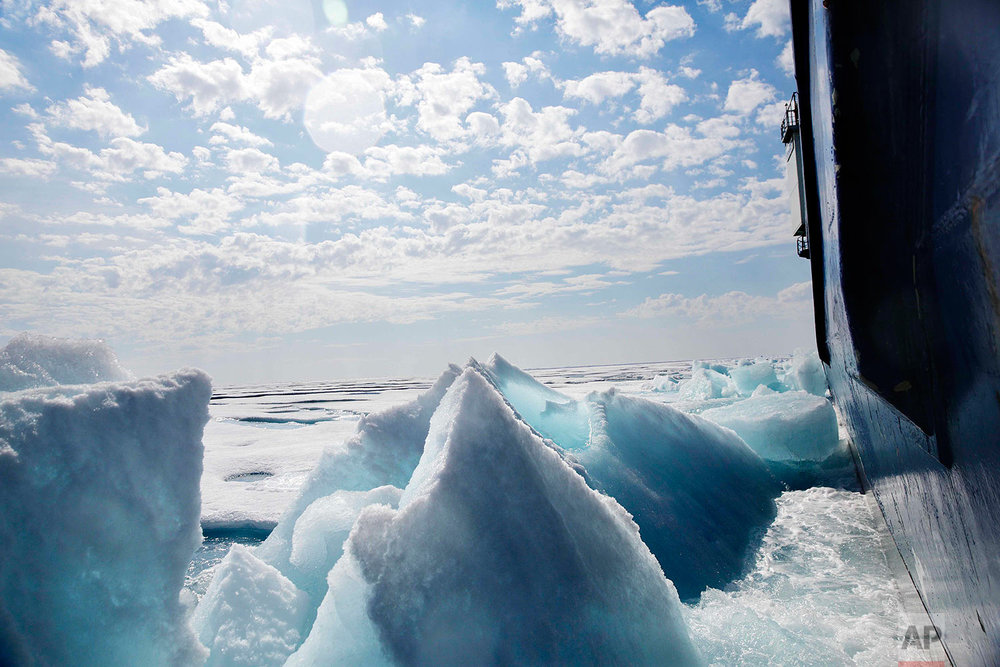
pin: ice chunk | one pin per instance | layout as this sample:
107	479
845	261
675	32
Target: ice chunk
384	451
718	367
698	493
706	383
793	426
805	372
99	490
320	532
31	360
498	553
751	376
553	414
661	383
344	634
250	614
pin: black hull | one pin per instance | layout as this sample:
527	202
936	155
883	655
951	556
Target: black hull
900	106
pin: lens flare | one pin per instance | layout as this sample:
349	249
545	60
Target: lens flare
345	113
336	12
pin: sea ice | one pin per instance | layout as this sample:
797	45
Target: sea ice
320	531
697	492
99	490
805	371
31	360
499	553
790	426
253	471
750	376
251	614
706	383
383	452
662	383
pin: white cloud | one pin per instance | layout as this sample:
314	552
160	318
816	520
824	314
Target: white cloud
543	134
382	162
208	211
657	96
515	73
771	115
611	27
117	162
94	25
293	46
444	98
126	156
25	109
786	60
770	16
416	21
724	127
27	167
345	112
748	93
280	86
482	125
225	132
674	147
207	85
250	160
377	22
94	112
599	86
340	163
729	309
689	72
218	35
11	77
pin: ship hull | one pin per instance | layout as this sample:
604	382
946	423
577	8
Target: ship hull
900	107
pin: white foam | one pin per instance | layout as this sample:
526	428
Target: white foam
819	593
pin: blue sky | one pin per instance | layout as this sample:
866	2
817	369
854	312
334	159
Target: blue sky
285	189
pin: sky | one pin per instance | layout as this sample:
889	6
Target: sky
278	190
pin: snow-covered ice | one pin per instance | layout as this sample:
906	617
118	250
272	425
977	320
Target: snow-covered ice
698	494
805	371
251	614
498	553
383	452
789	426
748	377
100	508
31	360
485	517
706	383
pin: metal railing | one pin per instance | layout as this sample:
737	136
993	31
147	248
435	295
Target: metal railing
790	122
802	246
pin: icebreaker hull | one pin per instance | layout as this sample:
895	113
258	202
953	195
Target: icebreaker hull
900	109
